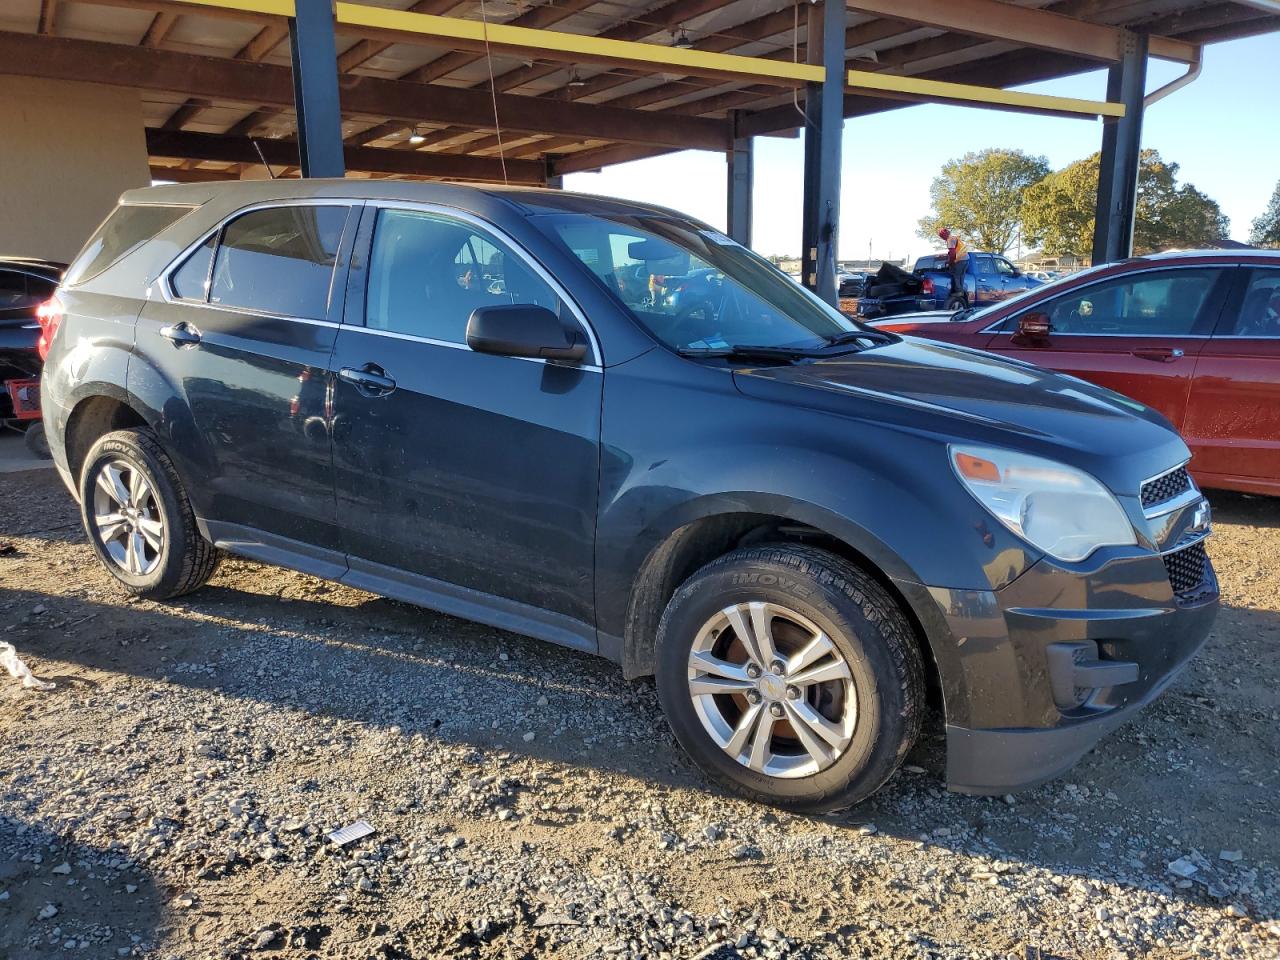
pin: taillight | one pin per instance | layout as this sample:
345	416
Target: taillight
927	286
49	314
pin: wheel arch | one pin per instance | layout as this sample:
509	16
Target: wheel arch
94	414
713	527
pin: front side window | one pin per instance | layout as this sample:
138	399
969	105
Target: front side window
692	288
982	266
1260	309
279	260
1168	303
428	272
1004	267
128	226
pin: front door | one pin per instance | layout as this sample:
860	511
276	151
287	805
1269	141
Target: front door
1233	421
1138	334
243	334
462	476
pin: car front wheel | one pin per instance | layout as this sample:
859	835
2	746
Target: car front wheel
138	519
791	676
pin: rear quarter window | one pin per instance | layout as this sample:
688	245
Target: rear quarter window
129	226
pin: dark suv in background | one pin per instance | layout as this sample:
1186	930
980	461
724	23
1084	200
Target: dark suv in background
480	401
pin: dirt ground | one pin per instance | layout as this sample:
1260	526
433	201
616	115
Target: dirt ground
170	798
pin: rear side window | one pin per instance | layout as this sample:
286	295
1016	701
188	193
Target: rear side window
279	260
13	290
129	225
1260	309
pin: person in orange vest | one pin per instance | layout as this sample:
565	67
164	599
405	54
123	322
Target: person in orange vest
957	260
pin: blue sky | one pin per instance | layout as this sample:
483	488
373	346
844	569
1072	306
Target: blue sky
1223	130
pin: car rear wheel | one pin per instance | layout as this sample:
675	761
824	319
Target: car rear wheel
790	676
139	520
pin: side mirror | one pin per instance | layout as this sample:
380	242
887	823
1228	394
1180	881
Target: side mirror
1033	327
523	330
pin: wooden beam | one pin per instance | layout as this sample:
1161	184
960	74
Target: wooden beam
190	175
222	79
48	20
1026	26
917	90
215	146
185	114
161	24
566	47
368	49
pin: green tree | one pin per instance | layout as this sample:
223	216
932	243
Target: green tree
1058	212
980	197
1266	229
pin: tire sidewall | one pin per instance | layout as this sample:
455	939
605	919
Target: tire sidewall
119	446
877	743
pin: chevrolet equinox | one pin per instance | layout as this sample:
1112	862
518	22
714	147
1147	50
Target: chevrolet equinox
609	426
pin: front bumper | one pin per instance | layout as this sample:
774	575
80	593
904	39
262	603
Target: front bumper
1018	665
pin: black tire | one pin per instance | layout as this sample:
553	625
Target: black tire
186	560
956	301
869	630
36	441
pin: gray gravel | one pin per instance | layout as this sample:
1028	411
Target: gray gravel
172	796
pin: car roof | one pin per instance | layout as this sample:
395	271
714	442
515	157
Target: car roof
528	200
51	269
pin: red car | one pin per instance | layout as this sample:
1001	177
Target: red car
1195	335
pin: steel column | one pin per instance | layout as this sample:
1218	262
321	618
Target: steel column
315	88
1121	148
741	176
823	130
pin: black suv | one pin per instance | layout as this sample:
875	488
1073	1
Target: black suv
483	401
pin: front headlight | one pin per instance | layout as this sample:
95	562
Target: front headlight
1058	509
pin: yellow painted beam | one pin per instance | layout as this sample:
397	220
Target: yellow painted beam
914	88
276	8
572	47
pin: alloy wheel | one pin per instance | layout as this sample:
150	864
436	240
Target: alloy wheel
772	689
127	516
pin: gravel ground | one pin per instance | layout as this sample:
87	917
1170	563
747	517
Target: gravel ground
171	797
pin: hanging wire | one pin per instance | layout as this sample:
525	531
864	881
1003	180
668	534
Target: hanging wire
493	94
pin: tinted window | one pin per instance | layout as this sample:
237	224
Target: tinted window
982	266
428	272
191	280
129	225
279	260
1168	303
692	288
1260	309
1004	267
13	290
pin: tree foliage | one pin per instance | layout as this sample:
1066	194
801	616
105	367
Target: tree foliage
1058	212
980	196
1266	229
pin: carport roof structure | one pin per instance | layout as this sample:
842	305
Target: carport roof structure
574	84
525	91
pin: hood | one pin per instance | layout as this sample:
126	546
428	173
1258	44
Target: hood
958	394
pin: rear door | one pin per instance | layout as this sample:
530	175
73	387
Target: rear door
1233	420
242	334
988	286
457	469
1138	334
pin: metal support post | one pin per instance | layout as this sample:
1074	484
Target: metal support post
823	130
1121	150
315	88
741	176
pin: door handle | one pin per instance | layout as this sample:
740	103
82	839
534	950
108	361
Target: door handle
371	380
182	334
1160	354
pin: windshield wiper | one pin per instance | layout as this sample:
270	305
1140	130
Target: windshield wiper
749	351
851	337
964	313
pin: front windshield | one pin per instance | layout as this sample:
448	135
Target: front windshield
695	289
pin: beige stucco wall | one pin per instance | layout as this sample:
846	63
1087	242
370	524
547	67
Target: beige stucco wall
67	152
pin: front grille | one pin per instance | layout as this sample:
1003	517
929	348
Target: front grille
1186	567
1165	487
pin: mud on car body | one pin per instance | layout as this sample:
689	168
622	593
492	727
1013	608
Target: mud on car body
471	399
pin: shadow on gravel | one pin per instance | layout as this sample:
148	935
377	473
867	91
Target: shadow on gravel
60	895
379	663
1246	508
